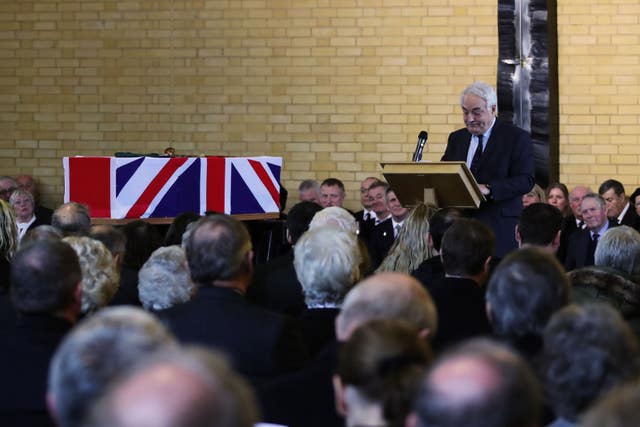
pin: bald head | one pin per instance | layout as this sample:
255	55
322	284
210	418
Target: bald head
575	198
387	296
72	219
480	383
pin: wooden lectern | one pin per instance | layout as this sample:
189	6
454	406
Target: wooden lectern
444	184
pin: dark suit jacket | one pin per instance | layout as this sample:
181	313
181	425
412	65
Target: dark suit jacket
461	310
26	347
275	286
507	166
380	242
43	214
260	343
630	218
578	249
318	328
366	227
429	270
567	229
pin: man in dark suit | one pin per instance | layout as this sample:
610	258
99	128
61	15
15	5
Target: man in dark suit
275	285
539	225
572	222
459	297
619	209
385	233
366	217
259	343
46	291
500	157
582	244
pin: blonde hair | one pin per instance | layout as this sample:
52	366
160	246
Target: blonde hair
8	231
410	248
100	279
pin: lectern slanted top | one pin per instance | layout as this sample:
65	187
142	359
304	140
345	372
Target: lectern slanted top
451	183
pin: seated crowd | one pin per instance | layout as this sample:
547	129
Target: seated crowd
386	317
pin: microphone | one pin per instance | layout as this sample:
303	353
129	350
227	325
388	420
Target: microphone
422	140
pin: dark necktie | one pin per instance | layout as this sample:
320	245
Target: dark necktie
367	216
475	161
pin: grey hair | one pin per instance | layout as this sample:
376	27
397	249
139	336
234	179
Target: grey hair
309	184
164	280
327	261
619	248
481	90
596	197
95	352
21	192
100	278
337	217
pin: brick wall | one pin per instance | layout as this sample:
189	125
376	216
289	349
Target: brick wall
333	86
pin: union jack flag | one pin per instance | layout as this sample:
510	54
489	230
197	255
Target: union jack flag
154	187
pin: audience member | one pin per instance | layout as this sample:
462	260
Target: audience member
615	277
385	233
478	384
8	244
7	186
635	202
178	227
22	203
115	240
432	268
178	388
306	398
557	194
142	239
535	195
309	191
28	183
100	279
46	291
583	243
378	202
524	291
467	247
164	281
72	219
260	343
327	265
366	217
331	193
410	248
378	374
619	210
572	222
588	350
94	353
275	285
540	225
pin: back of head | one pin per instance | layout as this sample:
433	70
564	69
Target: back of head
178	227
41	232
113	238
100	278
440	223
98	350
142	239
72	219
327	261
8	231
335	216
588	350
524	291
539	224
217	249
178	388
411	247
164	280
466	246
44	278
299	218
382	363
619	248
387	296
479	384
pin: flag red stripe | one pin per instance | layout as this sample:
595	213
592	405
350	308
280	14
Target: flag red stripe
215	184
89	184
156	184
266	180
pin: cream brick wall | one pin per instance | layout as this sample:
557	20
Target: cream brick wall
333	86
